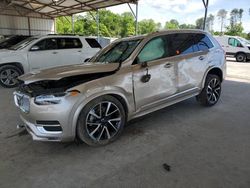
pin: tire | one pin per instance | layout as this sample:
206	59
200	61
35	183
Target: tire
97	129
211	92
8	76
241	57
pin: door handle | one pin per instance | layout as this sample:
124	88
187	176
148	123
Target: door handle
168	65
54	52
79	51
201	58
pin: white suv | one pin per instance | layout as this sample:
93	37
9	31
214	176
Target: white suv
40	52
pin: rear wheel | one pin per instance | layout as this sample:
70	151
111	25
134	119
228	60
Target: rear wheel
101	121
8	76
210	94
241	57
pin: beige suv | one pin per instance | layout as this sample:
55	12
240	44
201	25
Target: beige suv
127	79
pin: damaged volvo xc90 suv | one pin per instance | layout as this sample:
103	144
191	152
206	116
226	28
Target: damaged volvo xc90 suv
129	78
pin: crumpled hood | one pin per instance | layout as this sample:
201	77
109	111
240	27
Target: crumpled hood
58	73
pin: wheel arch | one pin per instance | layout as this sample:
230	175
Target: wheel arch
119	96
240	52
214	70
17	64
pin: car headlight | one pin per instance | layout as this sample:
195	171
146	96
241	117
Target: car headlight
54	98
49	99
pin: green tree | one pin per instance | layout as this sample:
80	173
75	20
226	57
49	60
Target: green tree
127	24
222	15
235	30
199	23
172	24
148	26
187	26
210	22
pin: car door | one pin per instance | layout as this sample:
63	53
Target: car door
189	52
70	51
154	75
44	54
234	46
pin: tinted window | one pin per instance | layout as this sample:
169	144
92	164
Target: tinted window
154	49
203	42
47	44
181	43
234	42
69	43
93	43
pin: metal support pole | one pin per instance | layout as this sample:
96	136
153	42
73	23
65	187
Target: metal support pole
205	17
72	24
98	25
29	26
136	19
135	14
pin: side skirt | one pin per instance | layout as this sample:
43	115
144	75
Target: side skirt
167	102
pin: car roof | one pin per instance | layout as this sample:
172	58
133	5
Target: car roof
162	32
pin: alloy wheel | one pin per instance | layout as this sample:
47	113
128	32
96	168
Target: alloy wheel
9	77
213	90
103	121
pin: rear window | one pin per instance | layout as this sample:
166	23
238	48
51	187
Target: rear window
181	44
93	43
203	42
69	43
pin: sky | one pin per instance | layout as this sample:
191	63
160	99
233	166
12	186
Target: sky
186	11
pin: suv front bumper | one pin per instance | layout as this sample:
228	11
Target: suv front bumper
48	122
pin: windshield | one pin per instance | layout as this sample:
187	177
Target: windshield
117	53
22	44
244	41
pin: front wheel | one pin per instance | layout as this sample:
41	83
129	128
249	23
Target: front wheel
8	76
101	121
210	94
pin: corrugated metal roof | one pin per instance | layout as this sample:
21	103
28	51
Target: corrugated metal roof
55	8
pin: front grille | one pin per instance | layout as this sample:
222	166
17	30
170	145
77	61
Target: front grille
22	101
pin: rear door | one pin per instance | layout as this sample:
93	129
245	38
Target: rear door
191	56
70	50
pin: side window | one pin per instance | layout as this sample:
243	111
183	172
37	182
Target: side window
69	43
203	42
181	44
93	43
47	44
154	49
41	44
234	42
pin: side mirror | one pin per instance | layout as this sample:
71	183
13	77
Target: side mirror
34	48
144	64
86	60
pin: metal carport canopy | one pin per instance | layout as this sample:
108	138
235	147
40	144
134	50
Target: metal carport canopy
56	8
